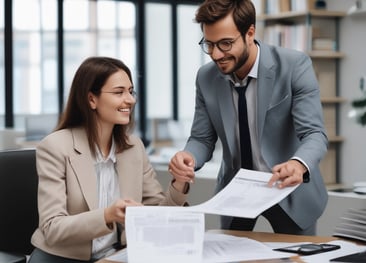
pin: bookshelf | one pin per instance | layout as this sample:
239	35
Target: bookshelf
316	33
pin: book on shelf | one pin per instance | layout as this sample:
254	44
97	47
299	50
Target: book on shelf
301	5
288	36
352	225
272	7
323	43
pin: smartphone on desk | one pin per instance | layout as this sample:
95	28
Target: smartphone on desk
309	249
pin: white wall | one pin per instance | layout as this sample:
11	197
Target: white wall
352	67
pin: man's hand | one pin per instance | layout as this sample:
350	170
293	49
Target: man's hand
181	166
286	174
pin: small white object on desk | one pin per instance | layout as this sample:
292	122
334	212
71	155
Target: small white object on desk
359	188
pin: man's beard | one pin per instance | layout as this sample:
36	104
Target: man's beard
242	59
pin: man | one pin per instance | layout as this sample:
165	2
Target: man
287	136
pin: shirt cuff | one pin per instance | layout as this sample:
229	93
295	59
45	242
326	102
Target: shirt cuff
306	175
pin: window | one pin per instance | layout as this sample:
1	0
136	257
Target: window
159	60
34	46
190	58
103	28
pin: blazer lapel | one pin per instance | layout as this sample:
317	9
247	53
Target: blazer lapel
228	115
265	85
83	165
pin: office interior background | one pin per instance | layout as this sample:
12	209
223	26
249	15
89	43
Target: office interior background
44	41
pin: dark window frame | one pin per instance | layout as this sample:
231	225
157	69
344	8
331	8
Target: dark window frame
140	53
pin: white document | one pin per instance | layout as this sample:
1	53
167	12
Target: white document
221	248
228	248
175	234
247	195
164	234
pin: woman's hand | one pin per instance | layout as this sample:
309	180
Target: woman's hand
117	211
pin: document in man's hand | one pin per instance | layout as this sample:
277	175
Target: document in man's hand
247	195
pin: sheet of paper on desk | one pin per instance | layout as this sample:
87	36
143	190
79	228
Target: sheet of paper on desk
164	234
227	248
223	248
247	195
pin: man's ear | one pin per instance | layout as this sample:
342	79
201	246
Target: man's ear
92	101
251	32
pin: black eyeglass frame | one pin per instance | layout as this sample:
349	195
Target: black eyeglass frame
211	45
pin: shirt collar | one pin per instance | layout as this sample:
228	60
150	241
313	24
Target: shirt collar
252	73
111	156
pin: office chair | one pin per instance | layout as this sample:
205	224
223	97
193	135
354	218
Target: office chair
18	204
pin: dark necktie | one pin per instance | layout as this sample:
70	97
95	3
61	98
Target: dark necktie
245	145
239	223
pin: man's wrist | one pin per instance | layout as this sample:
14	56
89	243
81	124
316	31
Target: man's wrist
305	174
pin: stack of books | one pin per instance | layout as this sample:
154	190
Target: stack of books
352	225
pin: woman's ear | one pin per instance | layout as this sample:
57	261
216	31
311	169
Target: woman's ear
92	101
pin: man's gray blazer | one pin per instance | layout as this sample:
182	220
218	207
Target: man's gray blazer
289	120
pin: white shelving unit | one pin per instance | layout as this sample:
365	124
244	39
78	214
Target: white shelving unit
305	26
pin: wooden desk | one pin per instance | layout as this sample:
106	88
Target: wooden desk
272	237
268	237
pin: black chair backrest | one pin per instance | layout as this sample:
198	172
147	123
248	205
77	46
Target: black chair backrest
18	200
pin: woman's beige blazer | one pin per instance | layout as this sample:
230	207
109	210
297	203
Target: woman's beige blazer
69	217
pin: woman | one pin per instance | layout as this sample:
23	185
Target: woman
91	168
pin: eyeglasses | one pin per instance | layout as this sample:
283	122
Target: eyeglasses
223	45
121	93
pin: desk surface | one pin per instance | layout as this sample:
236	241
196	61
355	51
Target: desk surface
269	237
274	237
